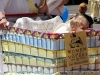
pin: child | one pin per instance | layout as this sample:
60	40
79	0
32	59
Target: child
79	23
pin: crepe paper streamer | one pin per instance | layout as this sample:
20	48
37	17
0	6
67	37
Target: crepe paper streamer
52	34
43	35
10	28
59	36
39	34
97	32
33	33
26	31
19	30
90	33
55	36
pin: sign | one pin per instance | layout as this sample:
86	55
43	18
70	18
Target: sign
76	49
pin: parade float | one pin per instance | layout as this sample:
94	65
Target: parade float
32	47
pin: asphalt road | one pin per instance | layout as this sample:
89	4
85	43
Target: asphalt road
74	9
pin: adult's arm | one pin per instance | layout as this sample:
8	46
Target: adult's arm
63	2
53	4
43	8
3	21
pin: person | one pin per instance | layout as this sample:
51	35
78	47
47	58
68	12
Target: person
14	7
56	7
20	7
82	8
77	23
94	6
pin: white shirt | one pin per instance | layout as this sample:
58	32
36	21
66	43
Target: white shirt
15	6
53	7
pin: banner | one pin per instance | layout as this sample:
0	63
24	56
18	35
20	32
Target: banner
76	49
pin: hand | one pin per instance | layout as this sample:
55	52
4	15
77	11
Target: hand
78	30
3	23
36	6
44	8
63	2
